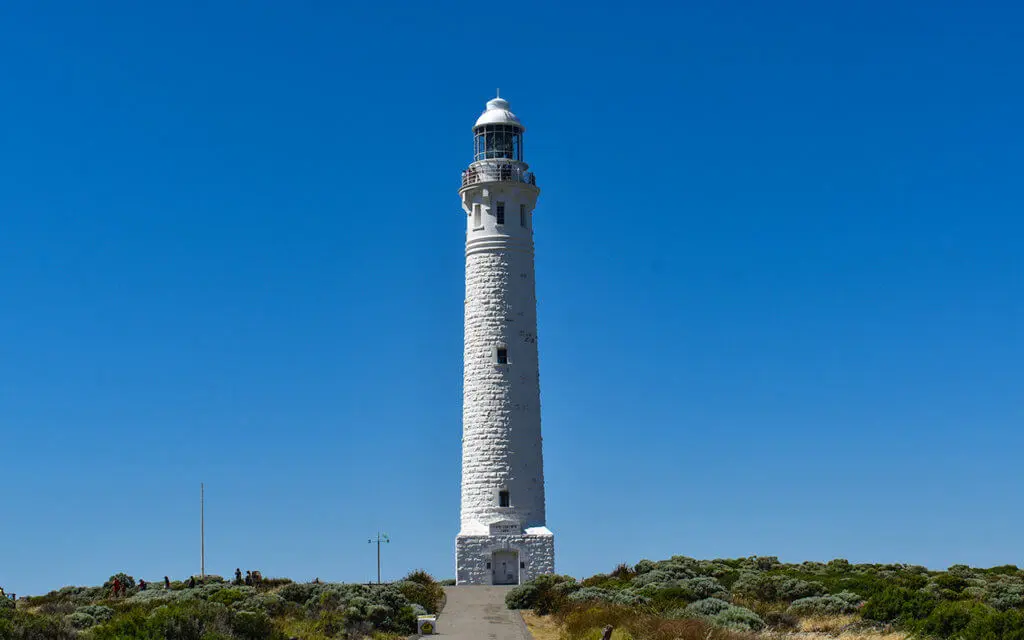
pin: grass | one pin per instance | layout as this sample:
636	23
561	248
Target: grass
827	624
542	627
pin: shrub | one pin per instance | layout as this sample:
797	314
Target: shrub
27	626
951	618
643	566
738	619
1005	595
227	596
654	576
6	605
782	621
522	597
544	594
270	603
299	593
79	620
97	611
703	587
899	604
592	594
252	625
705	608
774	588
421	588
833	605
189	620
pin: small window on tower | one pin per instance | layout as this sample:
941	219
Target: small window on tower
522	565
503	499
502	355
476	216
500	213
522	215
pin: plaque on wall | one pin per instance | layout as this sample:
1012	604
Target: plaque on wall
505	527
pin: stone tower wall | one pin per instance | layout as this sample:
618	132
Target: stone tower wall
501	403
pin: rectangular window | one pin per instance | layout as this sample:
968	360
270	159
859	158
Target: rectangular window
502	355
522	565
476	216
503	499
522	215
500	214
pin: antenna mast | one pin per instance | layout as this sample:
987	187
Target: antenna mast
202	530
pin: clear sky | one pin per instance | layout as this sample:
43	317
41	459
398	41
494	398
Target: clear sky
779	270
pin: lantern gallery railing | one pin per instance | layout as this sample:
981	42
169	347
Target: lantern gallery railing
497	173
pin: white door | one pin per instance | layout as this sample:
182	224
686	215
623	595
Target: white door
505	567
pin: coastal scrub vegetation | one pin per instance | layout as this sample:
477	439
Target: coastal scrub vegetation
213	609
727	599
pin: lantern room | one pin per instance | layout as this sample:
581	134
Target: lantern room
498	134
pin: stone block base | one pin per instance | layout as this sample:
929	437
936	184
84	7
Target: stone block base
503	559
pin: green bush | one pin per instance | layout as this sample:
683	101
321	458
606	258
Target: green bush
544	594
420	588
897	604
79	620
189	620
227	596
951	618
737	619
522	597
27	626
252	625
97	611
839	604
705	608
775	588
296	592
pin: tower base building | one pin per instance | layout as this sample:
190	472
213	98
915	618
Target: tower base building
503	537
512	558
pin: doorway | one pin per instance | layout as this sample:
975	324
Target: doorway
505	567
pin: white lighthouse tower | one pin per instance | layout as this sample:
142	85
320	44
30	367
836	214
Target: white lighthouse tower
503	538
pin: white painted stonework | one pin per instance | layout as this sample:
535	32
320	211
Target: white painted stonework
501	438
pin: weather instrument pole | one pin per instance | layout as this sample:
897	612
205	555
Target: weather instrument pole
381	537
202	530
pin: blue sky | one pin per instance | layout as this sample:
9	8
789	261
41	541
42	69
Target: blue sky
779	270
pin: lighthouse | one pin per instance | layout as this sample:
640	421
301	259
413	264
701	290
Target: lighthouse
503	538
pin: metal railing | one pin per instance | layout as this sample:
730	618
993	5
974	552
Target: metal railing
497	173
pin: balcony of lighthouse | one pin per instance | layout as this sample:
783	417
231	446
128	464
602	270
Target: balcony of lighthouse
497	171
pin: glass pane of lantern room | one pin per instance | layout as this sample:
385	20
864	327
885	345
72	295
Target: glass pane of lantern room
516	151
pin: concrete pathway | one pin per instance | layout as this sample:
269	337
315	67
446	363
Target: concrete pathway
479	613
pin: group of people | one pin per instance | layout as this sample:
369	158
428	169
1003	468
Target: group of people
4	595
120	589
252	578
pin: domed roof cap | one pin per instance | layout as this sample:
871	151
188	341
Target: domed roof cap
498	113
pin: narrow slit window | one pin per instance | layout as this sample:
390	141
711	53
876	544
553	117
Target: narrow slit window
522	565
476	216
522	215
502	355
500	213
503	499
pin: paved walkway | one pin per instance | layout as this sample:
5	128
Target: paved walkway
479	613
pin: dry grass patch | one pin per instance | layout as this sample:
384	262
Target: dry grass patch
542	627
827	624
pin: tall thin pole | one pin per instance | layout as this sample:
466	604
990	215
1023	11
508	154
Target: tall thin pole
202	530
381	537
